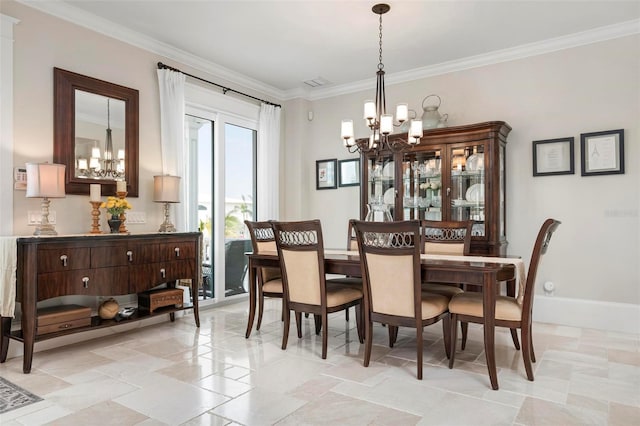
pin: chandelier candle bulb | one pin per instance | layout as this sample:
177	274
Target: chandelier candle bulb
121	154
95	192
121	186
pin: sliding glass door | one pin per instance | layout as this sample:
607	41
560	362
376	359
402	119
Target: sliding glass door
223	172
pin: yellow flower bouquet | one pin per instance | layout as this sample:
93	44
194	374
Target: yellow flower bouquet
116	206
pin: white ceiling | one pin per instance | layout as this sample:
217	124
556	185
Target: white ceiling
276	45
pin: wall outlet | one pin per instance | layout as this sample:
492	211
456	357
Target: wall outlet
136	217
34	217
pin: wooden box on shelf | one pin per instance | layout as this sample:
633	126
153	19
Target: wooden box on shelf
160	298
61	318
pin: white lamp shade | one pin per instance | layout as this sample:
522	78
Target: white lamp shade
369	110
121	154
386	124
402	112
94	163
95	152
166	189
347	129
416	129
82	164
45	180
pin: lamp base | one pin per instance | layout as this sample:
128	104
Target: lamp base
45	227
167	226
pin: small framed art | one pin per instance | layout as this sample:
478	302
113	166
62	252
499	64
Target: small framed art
349	172
602	153
326	174
553	157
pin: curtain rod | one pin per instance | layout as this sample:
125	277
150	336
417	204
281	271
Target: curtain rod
224	88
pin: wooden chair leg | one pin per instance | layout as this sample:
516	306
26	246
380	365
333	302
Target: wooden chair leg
464	326
514	337
446	332
260	309
533	354
325	335
453	337
299	323
368	337
346	315
419	345
5	330
393	335
285	331
317	320
360	323
526	351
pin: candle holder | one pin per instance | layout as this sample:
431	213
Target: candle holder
123	229
95	217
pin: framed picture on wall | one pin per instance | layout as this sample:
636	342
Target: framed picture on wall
349	172
326	174
602	153
553	157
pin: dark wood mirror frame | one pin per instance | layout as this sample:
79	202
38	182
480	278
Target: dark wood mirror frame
65	84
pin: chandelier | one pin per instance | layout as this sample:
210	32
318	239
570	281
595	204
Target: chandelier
377	119
112	167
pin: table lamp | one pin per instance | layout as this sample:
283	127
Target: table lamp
45	180
166	189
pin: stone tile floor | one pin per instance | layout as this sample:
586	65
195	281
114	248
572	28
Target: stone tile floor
174	373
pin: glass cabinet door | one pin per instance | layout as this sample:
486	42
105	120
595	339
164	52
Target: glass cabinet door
467	185
381	188
422	184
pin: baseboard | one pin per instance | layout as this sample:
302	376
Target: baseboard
610	316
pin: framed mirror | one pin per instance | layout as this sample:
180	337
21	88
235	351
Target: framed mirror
95	133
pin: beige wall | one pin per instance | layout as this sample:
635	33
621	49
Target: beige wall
594	254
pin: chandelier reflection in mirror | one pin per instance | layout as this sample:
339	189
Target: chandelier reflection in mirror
110	166
377	119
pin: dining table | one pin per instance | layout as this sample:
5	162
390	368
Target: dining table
483	272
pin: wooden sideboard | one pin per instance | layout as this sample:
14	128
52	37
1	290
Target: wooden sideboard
98	265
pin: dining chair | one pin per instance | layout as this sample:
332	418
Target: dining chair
269	279
390	262
511	312
301	253
452	238
352	245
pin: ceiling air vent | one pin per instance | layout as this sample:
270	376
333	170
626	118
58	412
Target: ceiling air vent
316	82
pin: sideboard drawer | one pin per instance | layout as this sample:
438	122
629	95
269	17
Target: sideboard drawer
88	282
145	277
63	259
177	250
114	255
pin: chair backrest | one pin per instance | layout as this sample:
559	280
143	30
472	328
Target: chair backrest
301	253
446	237
352	241
262	240
390	261
539	249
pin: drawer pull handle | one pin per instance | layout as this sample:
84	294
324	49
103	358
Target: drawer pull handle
63	326
85	282
64	259
163	272
130	255
177	250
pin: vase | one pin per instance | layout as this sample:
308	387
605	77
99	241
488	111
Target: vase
114	224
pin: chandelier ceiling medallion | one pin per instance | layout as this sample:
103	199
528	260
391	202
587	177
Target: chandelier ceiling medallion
375	114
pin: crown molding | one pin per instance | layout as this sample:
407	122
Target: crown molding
77	16
609	32
113	30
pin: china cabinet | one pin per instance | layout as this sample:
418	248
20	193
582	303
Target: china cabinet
455	173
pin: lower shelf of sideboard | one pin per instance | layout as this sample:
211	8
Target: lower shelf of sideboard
98	323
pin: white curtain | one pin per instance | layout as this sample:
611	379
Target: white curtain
174	149
268	190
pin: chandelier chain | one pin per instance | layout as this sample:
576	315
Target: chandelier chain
380	64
